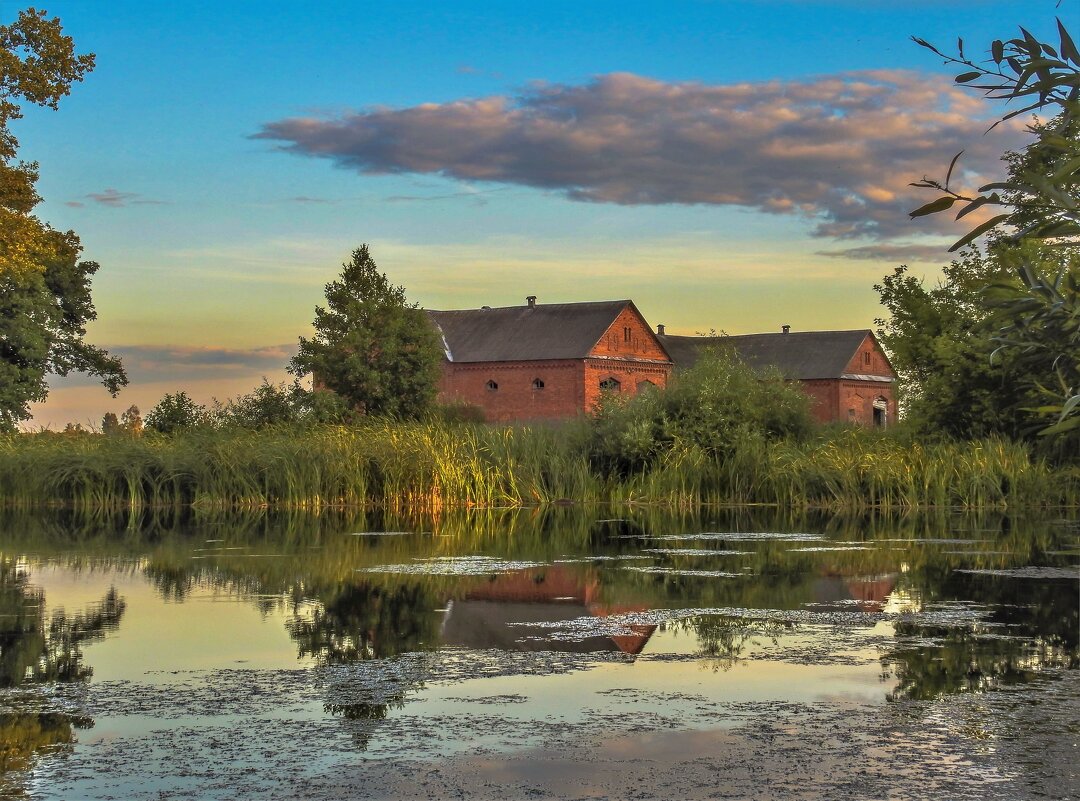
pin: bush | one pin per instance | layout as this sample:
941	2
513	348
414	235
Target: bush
266	405
712	406
174	412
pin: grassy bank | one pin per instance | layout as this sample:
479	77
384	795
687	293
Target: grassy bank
403	466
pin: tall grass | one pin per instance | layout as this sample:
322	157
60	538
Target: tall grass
429	466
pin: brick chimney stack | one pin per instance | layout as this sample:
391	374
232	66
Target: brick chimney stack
785	329
660	329
531	300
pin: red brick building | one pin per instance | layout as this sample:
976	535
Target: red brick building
846	373
547	361
553	361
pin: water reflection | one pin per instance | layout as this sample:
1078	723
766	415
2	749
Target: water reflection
37	649
738	585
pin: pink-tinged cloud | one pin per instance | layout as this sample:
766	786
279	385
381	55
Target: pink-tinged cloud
839	150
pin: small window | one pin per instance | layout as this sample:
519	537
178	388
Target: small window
645	386
538	383
491	386
851	415
609	385
866	357
626	334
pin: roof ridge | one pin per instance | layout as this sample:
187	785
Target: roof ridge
537	306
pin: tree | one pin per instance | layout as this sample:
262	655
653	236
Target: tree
45	299
1042	201
371	346
941	340
175	412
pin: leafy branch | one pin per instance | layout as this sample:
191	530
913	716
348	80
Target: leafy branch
1037	76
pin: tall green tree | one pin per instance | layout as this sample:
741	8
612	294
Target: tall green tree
372	347
942	340
45	301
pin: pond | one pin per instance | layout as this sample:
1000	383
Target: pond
557	653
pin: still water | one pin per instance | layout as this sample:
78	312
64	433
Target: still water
561	653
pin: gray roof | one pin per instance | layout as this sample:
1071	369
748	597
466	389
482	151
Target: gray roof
803	355
523	333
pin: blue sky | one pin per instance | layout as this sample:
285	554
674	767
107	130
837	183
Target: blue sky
726	165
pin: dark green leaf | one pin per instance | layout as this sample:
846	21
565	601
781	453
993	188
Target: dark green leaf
978	231
1068	49
933	207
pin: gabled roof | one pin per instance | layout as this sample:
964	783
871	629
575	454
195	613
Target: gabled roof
803	355
526	333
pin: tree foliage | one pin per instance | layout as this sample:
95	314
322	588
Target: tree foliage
714	405
942	342
176	412
1040	309
45	301
371	346
1037	76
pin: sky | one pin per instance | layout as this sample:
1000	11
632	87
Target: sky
729	166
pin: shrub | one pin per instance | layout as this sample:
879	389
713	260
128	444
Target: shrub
712	406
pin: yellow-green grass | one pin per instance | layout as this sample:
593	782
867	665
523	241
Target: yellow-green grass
430	466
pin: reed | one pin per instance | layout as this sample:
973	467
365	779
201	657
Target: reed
405	467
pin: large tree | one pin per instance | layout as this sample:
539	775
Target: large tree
45	300
942	340
371	346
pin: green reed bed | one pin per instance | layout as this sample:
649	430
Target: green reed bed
429	466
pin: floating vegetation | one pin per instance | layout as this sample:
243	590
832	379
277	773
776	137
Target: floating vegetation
455	566
588	560
666	571
1032	572
825	548
696	552
744	536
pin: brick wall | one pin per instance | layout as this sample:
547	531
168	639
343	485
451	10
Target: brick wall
627	353
516	397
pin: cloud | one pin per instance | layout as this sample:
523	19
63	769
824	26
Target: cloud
147	363
75	204
477	196
116	199
306	199
894	253
839	150
149	359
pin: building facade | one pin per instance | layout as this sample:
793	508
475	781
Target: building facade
546	361
554	361
846	373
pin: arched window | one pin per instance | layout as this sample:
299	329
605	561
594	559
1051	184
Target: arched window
645	386
610	385
538	383
491	386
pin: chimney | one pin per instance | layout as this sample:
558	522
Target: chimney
660	329
785	329
531	300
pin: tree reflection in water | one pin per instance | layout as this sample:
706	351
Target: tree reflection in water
366	622
35	651
1033	626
